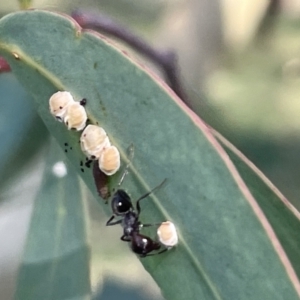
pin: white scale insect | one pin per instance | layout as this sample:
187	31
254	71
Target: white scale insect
64	108
96	145
58	104
167	234
75	117
109	162
93	140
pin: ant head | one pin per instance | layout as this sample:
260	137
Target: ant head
142	245
121	203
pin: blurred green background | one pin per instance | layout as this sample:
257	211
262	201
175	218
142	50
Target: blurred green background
240	65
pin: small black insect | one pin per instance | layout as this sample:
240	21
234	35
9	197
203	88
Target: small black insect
88	163
122	207
83	102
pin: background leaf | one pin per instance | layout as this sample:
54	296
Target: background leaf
283	217
55	264
225	250
25	4
22	132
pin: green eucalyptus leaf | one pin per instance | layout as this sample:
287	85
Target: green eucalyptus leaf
55	264
21	130
281	214
226	249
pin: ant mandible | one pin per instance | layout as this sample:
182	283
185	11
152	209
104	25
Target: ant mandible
122	206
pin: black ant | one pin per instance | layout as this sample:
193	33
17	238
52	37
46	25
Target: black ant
122	206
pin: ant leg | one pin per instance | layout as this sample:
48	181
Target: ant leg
138	207
148	225
110	223
160	252
130	153
125	238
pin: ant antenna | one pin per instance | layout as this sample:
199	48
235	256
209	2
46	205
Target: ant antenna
147	194
154	189
130	154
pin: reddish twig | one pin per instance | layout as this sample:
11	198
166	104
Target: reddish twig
165	59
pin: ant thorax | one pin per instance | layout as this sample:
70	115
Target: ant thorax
130	223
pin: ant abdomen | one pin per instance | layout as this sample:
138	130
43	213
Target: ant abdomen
142	245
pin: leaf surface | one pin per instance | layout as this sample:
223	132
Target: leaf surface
226	250
281	214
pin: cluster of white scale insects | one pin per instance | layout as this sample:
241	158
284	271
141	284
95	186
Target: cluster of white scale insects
96	145
94	141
